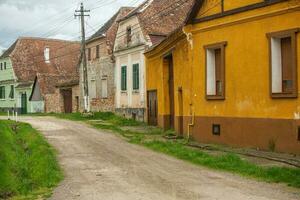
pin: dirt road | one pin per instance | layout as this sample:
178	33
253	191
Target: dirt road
101	166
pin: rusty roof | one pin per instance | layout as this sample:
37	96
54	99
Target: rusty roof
27	57
161	17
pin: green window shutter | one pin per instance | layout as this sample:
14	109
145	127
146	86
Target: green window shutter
12	92
124	78
2	92
136	76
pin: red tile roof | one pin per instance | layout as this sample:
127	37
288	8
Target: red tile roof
27	56
161	17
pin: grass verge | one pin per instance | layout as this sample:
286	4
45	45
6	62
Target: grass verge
152	139
28	166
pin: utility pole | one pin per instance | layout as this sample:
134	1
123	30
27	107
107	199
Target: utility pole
82	14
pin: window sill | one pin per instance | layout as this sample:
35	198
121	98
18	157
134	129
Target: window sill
124	92
135	91
284	96
210	97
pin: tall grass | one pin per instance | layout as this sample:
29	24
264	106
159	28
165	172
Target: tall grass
27	162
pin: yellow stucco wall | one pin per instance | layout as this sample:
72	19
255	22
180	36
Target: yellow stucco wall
246	65
232	4
211	7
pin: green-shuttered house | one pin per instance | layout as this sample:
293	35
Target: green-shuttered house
20	64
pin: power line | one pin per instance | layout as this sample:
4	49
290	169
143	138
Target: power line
148	17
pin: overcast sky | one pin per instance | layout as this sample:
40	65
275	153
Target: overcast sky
53	18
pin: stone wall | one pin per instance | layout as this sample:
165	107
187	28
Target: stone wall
137	114
54	103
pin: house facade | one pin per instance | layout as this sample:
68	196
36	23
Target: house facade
14	94
233	75
101	65
24	60
139	30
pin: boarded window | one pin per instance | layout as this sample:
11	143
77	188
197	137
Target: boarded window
135	77
47	55
89	54
104	88
283	63
97	51
215	71
128	34
12	92
2	92
124	78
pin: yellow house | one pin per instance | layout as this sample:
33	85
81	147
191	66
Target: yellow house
230	76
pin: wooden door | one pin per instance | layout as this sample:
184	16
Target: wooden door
24	103
152	108
67	96
171	92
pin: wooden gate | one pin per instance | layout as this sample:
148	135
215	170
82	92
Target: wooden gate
67	96
152	107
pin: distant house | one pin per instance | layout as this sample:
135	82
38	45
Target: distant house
57	93
100	65
230	76
143	27
21	64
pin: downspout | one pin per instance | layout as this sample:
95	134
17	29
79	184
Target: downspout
189	37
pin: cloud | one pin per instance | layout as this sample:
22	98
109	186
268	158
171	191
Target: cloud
2	49
53	18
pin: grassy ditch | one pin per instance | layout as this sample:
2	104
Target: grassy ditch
28	166
152	138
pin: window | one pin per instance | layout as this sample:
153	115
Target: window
12	92
283	81
1	65
2	92
216	129
47	55
128	34
135	76
215	71
124	78
89	54
104	88
4	65
97	51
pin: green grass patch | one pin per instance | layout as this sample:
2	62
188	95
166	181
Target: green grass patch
228	162
108	117
28	166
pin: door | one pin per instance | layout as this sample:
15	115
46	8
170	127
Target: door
152	108
171	91
24	103
67	96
